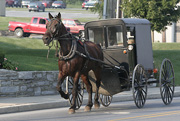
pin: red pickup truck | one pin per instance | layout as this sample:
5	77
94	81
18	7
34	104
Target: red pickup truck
36	26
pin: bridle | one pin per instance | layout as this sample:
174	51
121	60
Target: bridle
56	29
55	36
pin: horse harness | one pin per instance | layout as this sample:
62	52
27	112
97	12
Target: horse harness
73	51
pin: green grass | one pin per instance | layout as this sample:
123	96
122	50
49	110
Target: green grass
30	54
4	21
170	51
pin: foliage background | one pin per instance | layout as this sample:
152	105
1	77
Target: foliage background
159	12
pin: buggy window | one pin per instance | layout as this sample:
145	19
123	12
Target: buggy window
96	35
115	35
130	34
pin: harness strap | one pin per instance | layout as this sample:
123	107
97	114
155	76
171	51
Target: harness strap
71	53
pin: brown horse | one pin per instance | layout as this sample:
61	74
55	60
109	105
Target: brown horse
72	63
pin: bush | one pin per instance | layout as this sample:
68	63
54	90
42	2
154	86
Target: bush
1	58
7	64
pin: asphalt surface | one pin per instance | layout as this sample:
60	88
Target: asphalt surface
21	104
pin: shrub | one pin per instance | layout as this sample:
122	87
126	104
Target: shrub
1	58
7	64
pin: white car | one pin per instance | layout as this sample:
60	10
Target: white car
91	4
25	3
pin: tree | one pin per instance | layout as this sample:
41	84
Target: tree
98	8
159	12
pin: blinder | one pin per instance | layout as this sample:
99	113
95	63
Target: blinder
57	27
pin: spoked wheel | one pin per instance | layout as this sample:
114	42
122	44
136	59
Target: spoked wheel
166	81
139	86
105	100
69	88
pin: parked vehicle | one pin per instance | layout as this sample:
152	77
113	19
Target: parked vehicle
36	26
83	4
17	3
47	3
9	3
75	26
59	4
91	4
25	3
36	6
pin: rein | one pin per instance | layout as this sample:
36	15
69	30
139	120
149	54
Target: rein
72	51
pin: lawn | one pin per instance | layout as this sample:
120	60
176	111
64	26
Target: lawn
30	54
4	21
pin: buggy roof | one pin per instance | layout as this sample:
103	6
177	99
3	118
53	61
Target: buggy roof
124	21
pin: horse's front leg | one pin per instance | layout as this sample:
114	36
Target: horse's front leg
61	78
74	93
98	83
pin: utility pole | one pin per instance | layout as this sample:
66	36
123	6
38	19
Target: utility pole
117	9
2	8
104	9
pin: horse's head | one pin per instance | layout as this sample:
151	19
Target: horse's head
55	28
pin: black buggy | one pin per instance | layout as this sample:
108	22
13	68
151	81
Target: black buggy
128	61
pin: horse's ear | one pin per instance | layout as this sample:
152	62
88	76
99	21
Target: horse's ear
59	15
50	16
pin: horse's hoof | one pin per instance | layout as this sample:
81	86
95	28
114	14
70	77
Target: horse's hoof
87	109
71	111
66	96
97	105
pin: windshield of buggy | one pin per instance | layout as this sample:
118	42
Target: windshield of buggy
106	36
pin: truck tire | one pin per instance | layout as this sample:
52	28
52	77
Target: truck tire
18	32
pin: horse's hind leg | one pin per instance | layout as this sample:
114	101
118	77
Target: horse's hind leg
85	79
97	73
59	89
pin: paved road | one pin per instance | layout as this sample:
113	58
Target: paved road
121	111
64	14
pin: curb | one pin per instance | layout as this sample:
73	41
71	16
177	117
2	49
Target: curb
65	103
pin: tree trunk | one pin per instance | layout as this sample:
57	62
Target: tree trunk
164	36
152	36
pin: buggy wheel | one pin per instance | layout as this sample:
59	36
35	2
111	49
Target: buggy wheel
69	88
105	100
166	81
139	86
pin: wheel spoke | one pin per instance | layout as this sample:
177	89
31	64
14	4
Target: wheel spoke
139	86
80	91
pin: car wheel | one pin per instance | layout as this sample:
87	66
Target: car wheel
18	32
29	10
